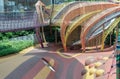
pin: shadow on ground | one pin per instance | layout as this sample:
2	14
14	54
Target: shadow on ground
65	68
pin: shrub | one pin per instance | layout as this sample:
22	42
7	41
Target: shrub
11	47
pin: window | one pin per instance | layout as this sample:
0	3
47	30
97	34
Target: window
18	5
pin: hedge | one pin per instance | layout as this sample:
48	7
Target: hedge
11	47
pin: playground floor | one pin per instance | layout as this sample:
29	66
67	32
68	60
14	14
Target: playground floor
29	65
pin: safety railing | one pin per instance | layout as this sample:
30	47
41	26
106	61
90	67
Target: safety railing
12	21
16	15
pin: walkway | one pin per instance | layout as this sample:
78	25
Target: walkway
30	65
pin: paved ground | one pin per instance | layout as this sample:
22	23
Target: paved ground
67	65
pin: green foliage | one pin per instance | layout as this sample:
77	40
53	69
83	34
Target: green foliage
10	47
8	35
50	38
56	28
107	41
70	0
50	34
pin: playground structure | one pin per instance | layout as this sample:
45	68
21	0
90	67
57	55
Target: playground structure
82	23
85	23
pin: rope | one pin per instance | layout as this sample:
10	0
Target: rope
112	65
110	68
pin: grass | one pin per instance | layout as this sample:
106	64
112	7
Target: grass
11	47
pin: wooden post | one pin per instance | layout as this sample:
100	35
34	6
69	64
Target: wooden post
39	37
96	44
110	39
102	38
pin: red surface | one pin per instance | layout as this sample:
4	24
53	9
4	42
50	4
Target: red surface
70	68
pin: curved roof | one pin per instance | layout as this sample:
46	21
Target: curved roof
78	10
98	20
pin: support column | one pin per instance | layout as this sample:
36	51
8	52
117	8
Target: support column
96	40
103	38
117	34
39	37
93	42
99	40
90	43
83	40
83	44
110	39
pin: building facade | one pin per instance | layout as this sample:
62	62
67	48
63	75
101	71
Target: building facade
26	5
